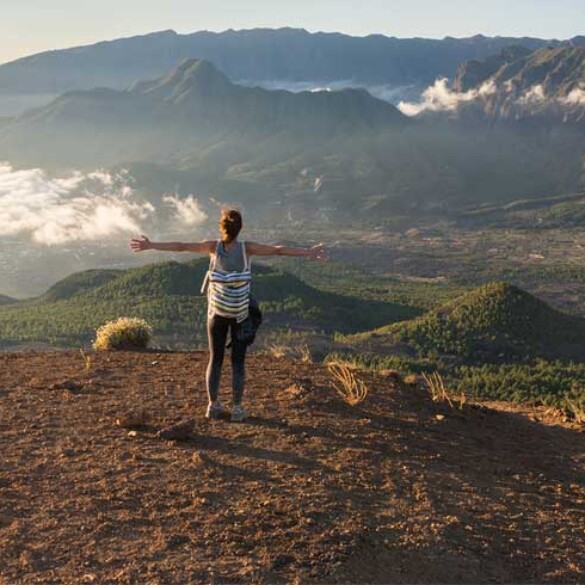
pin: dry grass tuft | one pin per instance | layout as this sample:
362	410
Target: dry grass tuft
436	388
305	354
333	360
279	351
86	359
124	333
351	389
575	408
300	352
439	393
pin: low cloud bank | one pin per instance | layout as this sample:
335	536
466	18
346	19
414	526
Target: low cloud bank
532	97
78	207
576	97
439	97
187	211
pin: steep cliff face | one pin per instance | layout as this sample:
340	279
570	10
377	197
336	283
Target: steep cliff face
473	73
547	85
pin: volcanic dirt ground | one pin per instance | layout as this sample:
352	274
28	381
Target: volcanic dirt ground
309	490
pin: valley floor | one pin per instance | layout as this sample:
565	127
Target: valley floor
309	489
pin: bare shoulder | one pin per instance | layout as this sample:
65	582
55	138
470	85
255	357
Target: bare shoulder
205	247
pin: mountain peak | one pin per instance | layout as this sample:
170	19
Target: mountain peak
191	76
196	69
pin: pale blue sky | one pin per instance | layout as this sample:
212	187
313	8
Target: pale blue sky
30	26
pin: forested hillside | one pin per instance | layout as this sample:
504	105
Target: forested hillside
167	296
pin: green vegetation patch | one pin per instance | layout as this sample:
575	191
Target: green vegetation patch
168	296
496	322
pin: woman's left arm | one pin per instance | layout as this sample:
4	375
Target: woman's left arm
317	252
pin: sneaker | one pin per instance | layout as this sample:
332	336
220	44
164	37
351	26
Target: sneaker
238	413
216	410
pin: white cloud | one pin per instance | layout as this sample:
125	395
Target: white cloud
576	97
77	207
533	96
187	210
440	98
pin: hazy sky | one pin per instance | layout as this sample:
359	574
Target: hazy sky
30	26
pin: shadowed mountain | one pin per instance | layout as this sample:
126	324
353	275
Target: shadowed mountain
493	322
177	117
335	153
257	55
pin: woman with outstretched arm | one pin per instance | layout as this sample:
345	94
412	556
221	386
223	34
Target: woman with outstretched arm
228	297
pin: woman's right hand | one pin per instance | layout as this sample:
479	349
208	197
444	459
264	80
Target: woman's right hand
318	252
141	244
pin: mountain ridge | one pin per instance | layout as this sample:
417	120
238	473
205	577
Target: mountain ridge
255	55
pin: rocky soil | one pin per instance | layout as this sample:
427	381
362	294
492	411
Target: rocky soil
395	490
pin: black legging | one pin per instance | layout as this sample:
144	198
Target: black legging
217	331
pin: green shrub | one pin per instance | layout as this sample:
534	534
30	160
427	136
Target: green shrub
124	333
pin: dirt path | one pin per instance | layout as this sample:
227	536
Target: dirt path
308	490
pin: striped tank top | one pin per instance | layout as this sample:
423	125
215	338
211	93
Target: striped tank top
229	280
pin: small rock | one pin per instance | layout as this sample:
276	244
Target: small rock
70	385
392	374
281	561
177	540
178	432
440	417
133	419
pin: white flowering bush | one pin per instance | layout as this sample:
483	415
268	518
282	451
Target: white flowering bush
123	333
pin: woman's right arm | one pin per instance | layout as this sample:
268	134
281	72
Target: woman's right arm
143	243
